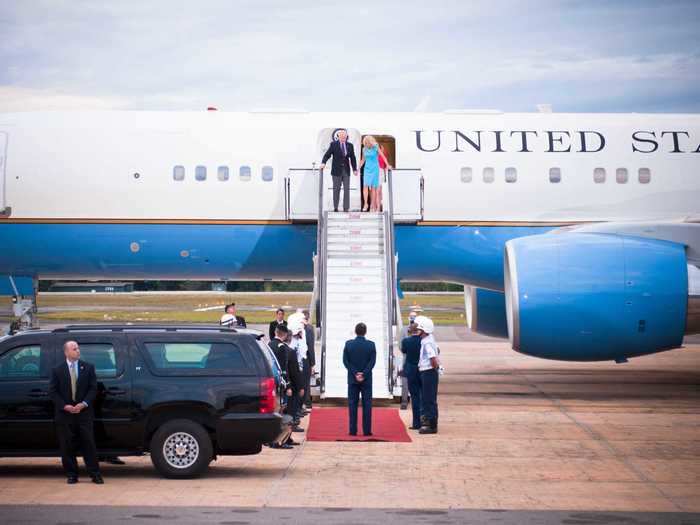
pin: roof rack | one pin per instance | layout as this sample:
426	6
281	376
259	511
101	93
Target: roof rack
163	327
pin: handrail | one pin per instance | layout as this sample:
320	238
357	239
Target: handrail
323	295
392	285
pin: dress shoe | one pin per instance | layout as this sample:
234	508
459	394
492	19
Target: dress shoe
427	430
112	460
97	480
285	446
297	429
72	480
352	433
415	427
368	434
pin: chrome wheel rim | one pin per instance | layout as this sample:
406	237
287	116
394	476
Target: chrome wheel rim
181	450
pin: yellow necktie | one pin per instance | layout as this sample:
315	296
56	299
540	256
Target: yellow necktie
73	379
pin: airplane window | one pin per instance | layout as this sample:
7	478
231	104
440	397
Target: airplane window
555	175
621	175
200	173
511	175
489	175
244	173
267	173
644	175
466	174
599	175
179	173
222	173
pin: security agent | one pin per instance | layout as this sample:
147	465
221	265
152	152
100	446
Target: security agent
428	366
73	389
279	320
359	357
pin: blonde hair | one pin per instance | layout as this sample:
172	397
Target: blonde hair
369	141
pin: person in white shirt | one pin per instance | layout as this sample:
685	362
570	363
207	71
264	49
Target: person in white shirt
428	367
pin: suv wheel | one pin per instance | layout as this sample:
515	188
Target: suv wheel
181	448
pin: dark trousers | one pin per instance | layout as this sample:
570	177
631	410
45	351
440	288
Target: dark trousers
73	433
294	405
429	406
307	383
354	391
414	388
345	181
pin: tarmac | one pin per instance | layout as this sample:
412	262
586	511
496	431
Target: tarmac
522	440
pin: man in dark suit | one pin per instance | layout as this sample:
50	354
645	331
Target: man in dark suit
359	357
73	389
279	320
343	155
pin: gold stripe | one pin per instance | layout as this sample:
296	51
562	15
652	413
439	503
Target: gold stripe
140	221
36	220
502	223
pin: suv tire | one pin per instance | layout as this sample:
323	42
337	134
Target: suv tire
181	448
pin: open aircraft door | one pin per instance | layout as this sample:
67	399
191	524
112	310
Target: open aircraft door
4	208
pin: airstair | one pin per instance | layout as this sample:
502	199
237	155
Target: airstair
357	288
355	268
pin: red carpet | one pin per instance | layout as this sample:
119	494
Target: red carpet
331	424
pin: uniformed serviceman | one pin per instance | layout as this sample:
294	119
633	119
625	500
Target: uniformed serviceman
428	366
410	348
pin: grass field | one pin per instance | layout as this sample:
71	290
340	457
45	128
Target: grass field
173	307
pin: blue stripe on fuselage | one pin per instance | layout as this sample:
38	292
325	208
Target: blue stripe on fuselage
463	254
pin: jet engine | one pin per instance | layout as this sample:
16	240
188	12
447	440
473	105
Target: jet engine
596	297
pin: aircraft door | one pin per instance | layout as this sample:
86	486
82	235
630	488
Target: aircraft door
325	137
4	208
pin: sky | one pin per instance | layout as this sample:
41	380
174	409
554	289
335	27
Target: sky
592	56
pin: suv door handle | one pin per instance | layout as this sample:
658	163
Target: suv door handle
115	391
38	393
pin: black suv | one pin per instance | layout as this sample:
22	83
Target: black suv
183	393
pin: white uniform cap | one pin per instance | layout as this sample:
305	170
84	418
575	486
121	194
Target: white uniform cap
425	323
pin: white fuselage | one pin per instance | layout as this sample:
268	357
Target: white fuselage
82	166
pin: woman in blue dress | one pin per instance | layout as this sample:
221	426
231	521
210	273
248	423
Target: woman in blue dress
370	160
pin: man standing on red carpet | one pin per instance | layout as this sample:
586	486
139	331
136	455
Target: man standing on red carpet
359	357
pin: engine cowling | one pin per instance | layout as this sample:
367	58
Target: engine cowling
486	311
594	297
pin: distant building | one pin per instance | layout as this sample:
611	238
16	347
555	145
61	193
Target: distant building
92	287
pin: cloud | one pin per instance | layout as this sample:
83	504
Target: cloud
372	56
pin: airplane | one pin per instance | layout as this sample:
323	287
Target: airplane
577	236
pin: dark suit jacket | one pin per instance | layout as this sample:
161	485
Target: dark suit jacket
359	355
280	349
60	391
296	378
273	326
340	161
310	343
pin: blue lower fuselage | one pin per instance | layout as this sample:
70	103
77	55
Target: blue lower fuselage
462	254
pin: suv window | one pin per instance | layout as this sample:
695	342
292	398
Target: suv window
102	356
197	358
21	363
